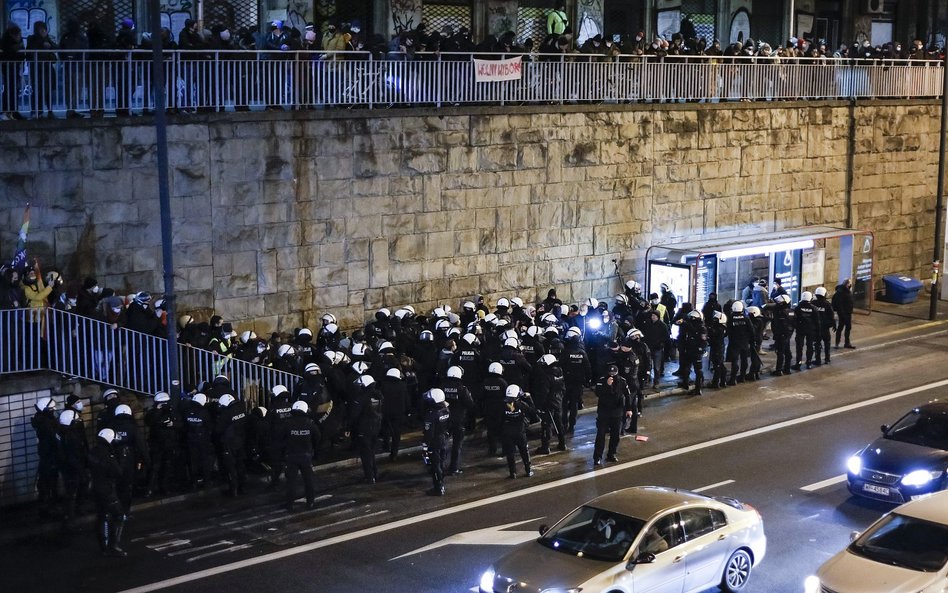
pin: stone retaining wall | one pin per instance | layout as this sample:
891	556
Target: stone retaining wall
280	217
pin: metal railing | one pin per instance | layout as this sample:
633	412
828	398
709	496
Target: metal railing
93	350
113	82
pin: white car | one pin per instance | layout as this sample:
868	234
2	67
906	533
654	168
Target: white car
638	540
906	551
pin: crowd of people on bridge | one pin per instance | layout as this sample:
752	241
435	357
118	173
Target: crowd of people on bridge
420	43
502	368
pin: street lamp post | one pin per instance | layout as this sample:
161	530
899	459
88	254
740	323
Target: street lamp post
164	197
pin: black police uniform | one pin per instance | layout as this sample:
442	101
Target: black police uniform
198	429
492	402
807	324
231	430
106	472
740	336
782	327
277	415
394	407
516	368
365	422
716	334
164	434
460	403
827	322
615	400
130	451
437	420
692	340
44	423
72	461
577	373
300	437
547	387
514	432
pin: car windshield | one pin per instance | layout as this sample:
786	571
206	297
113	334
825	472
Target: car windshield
905	541
594	533
919	427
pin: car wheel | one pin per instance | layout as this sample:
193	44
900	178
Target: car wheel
736	572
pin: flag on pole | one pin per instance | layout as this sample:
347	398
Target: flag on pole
19	259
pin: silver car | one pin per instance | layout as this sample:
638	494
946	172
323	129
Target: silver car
645	539
906	551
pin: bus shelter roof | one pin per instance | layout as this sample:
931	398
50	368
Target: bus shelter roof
760	240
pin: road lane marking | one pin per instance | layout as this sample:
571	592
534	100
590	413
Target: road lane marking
491	536
216	552
349	520
414	520
824	484
288	515
175	543
200	548
710	486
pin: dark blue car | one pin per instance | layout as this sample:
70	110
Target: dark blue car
909	460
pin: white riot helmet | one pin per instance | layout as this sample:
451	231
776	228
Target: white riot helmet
533	331
313	369
123	409
469	338
468	306
360	367
365	380
301	406
305	332
426	336
393	372
503	302
621	298
359	349
737	307
226	400
632	285
517	301
820	291
509	333
331	328
67	417
721	317
107	435
286	350
513	391
199	399
513	342
246	336
782	298
435	396
279	390
547	359
695	314
455	372
328	318
45	403
162	397
754	311
573	331
806	296
592	303
383	313
495	368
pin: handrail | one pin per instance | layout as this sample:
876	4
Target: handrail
93	350
112	82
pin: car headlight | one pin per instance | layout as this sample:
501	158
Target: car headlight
487	581
920	477
811	584
854	464
561	590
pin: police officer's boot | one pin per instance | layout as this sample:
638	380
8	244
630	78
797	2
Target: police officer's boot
529	471
699	380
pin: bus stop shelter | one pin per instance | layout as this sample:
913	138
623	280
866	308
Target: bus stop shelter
801	258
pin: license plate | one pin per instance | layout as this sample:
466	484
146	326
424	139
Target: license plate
881	490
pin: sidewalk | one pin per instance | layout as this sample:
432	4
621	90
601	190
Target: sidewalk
887	324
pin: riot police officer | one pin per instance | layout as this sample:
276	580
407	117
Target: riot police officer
692	340
198	429
615	404
782	327
130	451
164	433
394	390
492	402
547	386
44	423
807	326
740	337
231	430
277	414
300	437
365	423
514	432
106	472
758	323
110	397
460	403
717	331
436	423
577	372
824	310
72	458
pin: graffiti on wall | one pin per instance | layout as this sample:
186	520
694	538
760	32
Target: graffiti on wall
406	15
23	13
590	19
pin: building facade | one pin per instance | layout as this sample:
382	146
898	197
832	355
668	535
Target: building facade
774	21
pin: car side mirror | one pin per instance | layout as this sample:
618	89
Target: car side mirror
853	535
544	529
884	428
643	558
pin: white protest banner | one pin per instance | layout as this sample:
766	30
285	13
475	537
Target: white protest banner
497	70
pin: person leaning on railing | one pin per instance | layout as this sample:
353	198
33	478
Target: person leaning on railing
11	66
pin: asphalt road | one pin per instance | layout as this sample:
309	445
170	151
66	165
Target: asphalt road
773	444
